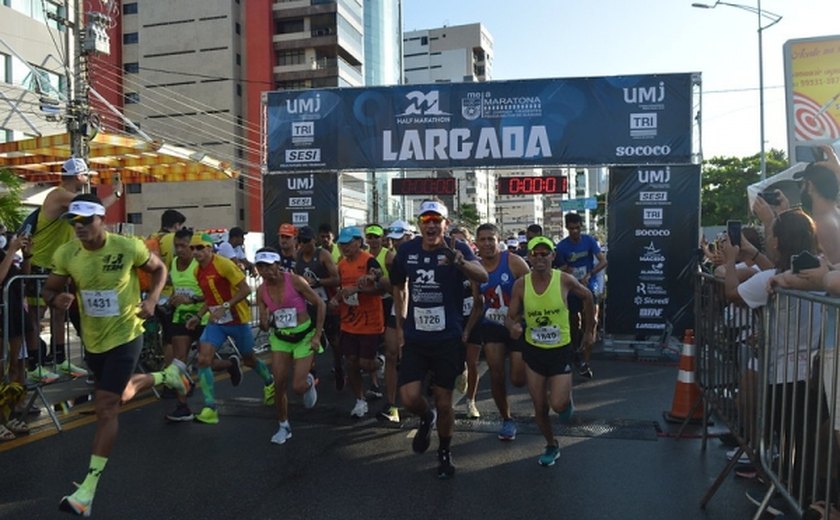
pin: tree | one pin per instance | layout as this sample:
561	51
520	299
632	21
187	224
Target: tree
725	181
468	215
10	205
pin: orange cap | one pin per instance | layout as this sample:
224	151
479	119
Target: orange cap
288	230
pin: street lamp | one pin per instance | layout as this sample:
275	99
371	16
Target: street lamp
774	19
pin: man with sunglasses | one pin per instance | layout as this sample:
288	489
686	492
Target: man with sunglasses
103	267
52	231
541	297
225	291
428	274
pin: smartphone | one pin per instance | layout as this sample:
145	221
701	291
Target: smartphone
27	230
804	260
809	154
733	229
772	197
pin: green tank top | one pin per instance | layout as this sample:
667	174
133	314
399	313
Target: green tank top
546	314
49	235
185	282
380	259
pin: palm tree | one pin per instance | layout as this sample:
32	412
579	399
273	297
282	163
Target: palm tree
11	187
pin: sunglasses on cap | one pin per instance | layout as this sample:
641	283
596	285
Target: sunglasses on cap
78	219
435	219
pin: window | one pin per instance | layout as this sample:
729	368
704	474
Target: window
130	8
289	26
424	40
238	59
131	98
238	28
134	218
134	187
291	57
131	67
129	38
238	89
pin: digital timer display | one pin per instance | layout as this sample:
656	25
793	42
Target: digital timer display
445	186
548	185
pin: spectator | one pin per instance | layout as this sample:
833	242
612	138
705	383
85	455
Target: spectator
232	249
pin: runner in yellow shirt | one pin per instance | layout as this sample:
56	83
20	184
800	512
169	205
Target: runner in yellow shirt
102	267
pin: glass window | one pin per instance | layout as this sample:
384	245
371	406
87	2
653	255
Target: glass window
134	187
131	98
131	67
132	37
134	218
130	8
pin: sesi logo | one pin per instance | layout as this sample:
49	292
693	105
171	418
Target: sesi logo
303	155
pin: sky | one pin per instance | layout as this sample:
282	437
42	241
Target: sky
579	38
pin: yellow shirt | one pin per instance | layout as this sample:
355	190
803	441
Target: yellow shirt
49	235
106	287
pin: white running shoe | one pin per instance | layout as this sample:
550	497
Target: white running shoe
360	410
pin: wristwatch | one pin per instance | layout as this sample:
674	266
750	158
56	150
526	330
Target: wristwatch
226	305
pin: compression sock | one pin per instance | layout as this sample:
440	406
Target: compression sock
205	376
263	371
88	487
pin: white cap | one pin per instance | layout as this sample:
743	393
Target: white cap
84	208
512	242
433	206
75	166
267	257
398	229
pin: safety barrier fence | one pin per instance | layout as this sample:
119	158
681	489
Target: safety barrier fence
770	375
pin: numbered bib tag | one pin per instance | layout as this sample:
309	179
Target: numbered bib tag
284	318
227	317
101	304
579	272
430	320
549	335
184	291
496	315
468	306
352	299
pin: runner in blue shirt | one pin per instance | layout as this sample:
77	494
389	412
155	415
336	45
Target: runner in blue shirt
580	255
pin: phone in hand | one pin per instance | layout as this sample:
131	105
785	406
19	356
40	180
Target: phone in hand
26	231
809	154
733	229
802	261
771	197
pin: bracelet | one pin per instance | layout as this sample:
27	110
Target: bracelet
757	252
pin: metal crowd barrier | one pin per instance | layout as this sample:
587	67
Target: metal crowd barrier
770	376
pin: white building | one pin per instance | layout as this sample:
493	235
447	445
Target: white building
448	54
514	213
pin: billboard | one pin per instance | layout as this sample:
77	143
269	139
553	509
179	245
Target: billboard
812	89
653	218
604	120
302	199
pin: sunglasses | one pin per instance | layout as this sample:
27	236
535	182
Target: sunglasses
434	219
85	221
541	254
197	248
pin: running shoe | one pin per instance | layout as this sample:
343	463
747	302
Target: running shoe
584	370
283	434
390	413
76	504
445	467
472	410
373	393
461	382
551	454
208	416
423	437
175	377
235	370
182	413
69	368
268	394
777	505
742	459
360	409
508	430
42	375
310	397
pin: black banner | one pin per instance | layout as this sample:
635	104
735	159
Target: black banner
306	199
653	224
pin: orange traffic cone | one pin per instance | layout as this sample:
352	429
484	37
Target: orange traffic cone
687	396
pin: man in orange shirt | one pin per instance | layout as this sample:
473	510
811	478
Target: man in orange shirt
360	304
225	293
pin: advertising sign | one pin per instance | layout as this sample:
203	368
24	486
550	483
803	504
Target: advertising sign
812	88
606	120
302	199
653	220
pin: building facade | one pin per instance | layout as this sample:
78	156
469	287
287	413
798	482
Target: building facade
462	53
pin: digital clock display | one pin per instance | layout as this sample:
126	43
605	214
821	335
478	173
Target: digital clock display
423	186
548	185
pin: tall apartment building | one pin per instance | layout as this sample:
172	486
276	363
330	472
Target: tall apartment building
514	213
31	67
448	54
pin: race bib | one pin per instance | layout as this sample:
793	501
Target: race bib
352	299
496	315
429	320
549	335
579	272
184	291
468	306
101	304
227	317
284	318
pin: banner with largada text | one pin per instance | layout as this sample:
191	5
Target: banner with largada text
606	120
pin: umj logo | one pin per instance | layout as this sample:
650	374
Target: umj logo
304	105
640	95
655	176
301	183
